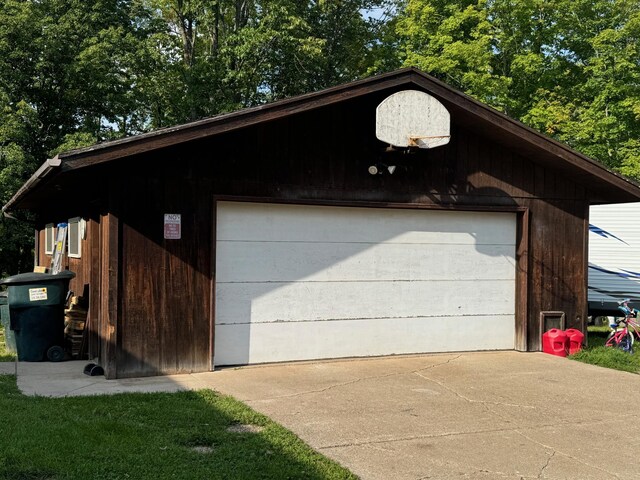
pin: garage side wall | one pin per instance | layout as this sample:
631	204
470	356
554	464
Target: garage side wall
165	284
558	262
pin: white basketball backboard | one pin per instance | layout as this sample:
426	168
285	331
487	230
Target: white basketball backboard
411	118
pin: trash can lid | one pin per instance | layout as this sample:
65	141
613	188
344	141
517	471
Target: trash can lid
33	277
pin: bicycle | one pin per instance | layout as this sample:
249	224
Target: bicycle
625	329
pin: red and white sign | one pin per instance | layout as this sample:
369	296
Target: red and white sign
172	226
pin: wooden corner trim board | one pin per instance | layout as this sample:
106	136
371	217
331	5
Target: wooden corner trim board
109	299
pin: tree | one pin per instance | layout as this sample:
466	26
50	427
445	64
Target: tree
17	124
453	41
77	72
596	108
64	77
570	69
227	54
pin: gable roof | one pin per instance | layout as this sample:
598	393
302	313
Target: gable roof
467	111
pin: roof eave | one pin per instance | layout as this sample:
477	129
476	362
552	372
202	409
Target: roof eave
48	168
169	136
528	134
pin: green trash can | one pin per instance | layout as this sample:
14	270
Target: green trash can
36	314
9	337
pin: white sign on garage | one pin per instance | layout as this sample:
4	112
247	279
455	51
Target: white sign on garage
297	282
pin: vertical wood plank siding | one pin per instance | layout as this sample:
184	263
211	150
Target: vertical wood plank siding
319	156
171	332
87	270
109	287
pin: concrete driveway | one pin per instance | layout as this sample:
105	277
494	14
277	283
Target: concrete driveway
473	415
492	415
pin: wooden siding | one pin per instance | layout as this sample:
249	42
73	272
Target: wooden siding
165	283
109	318
164	287
87	270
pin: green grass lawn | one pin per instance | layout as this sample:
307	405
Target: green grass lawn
597	354
147	436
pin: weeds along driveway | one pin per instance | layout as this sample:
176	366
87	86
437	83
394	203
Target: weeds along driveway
472	415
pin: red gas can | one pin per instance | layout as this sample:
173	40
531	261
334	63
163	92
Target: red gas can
574	340
554	342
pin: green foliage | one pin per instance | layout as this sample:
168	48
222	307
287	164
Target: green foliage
5	355
77	72
148	436
454	42
570	69
74	141
214	57
383	50
18	122
110	68
61	74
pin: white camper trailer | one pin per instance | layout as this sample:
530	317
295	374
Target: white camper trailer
614	257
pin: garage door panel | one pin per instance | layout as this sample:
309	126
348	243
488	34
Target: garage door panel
260	343
304	301
301	223
299	282
295	261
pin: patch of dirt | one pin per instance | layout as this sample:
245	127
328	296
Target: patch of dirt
202	449
241	428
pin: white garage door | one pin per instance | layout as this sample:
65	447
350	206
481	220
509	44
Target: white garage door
298	282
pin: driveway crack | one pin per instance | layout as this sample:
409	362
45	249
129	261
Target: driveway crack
471	400
352	382
566	455
414	437
546	465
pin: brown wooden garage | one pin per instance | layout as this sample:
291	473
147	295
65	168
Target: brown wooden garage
152	280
